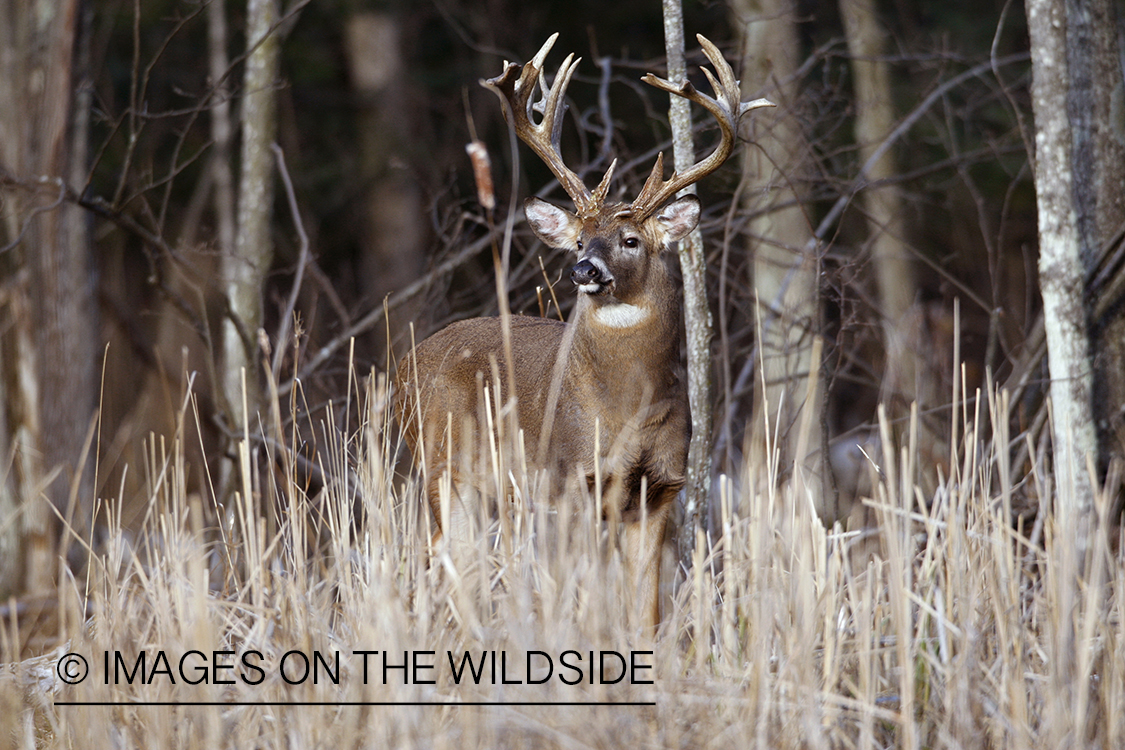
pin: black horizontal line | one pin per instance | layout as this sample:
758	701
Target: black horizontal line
355	703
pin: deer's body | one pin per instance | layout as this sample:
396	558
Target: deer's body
612	391
602	396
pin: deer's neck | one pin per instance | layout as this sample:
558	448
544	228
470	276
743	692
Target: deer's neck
621	339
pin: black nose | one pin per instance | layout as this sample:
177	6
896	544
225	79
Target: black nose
585	272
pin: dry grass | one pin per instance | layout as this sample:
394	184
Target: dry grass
960	631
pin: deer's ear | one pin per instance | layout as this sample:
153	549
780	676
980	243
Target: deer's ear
557	227
679	217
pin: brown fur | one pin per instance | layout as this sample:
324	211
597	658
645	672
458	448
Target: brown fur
612	377
625	380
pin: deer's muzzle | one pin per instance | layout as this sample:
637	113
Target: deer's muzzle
591	276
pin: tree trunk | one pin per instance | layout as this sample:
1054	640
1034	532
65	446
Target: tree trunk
19	410
1096	108
1061	269
246	271
697	313
786	265
908	376
393	221
222	132
51	387
905	379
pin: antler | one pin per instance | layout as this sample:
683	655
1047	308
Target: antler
544	137
726	106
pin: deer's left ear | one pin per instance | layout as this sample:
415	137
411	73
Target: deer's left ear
678	218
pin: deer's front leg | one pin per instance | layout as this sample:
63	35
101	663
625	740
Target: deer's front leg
644	541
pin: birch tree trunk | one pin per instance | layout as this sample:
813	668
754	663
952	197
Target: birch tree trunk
1061	269
697	313
246	271
1062	277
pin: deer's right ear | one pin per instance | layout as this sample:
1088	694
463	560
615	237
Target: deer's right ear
678	218
557	227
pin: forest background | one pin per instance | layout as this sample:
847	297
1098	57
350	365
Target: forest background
176	176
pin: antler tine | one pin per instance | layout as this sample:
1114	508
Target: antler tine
726	107
544	138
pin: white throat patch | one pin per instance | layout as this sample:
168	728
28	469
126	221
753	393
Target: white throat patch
621	315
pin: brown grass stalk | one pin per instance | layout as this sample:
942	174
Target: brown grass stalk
952	626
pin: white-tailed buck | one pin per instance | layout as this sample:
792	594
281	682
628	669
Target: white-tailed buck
611	377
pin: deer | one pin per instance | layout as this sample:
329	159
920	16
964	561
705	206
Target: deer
601	397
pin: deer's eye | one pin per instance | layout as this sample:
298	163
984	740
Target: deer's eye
631	242
579	245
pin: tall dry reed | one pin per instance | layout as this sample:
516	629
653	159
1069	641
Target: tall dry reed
298	615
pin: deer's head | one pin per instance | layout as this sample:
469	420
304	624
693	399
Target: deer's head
615	243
